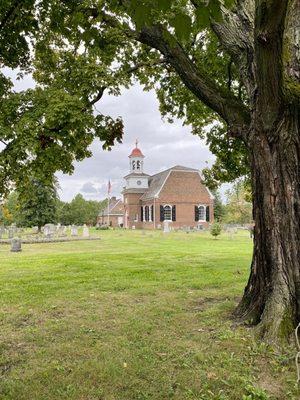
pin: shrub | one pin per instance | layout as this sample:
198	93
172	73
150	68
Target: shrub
215	229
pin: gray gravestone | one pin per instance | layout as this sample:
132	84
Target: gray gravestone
166	227
74	230
85	231
16	245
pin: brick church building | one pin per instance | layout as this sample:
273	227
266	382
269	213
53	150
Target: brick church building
176	195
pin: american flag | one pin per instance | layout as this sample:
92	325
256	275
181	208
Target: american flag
109	187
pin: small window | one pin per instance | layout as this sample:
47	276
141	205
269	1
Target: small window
138	165
136	218
201	213
133	164
167	213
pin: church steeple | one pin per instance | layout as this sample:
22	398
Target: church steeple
136	179
136	160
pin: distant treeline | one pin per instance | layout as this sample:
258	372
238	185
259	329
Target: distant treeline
43	206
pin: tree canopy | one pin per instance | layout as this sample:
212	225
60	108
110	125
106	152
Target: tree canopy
83	49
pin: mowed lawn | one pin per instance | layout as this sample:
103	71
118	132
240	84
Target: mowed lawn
133	316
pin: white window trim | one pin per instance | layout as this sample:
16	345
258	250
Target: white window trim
144	213
150	212
168	205
202	205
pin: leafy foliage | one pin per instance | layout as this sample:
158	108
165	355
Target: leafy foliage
79	211
216	229
219	208
83	49
238	207
37	203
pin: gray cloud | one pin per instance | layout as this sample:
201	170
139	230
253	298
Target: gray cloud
89	188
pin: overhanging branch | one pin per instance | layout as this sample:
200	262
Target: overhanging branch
220	100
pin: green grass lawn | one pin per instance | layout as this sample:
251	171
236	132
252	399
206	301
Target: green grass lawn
133	317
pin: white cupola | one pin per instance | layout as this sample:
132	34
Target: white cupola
136	179
136	160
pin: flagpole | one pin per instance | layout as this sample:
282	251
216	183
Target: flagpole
108	202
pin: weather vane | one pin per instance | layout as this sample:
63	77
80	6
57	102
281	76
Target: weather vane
136	143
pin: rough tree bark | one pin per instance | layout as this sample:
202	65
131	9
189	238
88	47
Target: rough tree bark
272	295
253	36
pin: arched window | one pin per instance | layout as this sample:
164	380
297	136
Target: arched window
133	165
167	213
138	165
201	213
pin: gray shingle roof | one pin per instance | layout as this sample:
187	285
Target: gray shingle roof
112	204
156	181
136	174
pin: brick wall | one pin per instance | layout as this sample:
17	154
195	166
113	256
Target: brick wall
132	205
184	190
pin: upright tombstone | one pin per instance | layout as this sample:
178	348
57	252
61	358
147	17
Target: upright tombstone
85	231
16	245
11	232
166	227
46	231
74	230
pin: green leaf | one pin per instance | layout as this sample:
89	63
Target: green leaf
229	3
215	10
202	17
164	5
182	24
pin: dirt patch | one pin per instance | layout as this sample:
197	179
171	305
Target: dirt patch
271	385
204	303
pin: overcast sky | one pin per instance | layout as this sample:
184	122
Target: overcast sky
163	144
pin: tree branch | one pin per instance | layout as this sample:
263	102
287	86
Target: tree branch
268	37
220	100
236	35
97	97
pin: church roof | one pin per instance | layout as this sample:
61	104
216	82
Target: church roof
115	207
136	152
135	174
157	181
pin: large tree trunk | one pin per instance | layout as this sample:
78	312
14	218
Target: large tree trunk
272	295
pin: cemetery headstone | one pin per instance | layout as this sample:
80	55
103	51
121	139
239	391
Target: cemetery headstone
166	227
10	232
16	245
85	232
74	230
